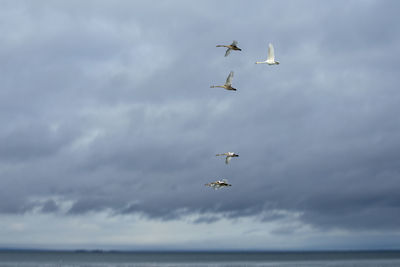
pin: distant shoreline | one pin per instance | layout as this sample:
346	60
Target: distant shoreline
97	257
197	251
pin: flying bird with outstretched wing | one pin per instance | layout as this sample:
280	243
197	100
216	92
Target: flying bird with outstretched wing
271	57
229	156
218	184
228	83
230	47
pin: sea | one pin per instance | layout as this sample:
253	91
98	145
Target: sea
200	259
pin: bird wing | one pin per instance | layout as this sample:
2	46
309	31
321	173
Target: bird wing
228	51
271	54
228	159
234	43
229	79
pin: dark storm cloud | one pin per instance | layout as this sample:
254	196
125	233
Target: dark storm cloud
31	141
108	105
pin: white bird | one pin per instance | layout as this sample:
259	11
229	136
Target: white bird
229	156
218	184
228	83
271	57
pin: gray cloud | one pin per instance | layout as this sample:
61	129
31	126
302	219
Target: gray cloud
207	219
108	105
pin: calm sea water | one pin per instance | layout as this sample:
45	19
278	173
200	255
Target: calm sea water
192	259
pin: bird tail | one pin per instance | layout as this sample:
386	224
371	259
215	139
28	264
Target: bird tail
212	86
221	45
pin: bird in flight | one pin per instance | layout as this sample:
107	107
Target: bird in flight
228	83
218	184
231	47
229	156
271	57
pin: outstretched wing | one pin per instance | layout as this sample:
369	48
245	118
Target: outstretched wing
229	79
228	51
234	43
271	54
228	159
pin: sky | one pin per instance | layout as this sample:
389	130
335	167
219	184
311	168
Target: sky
109	127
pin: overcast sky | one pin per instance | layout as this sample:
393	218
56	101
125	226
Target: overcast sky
109	127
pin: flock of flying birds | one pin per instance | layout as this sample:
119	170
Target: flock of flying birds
228	86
